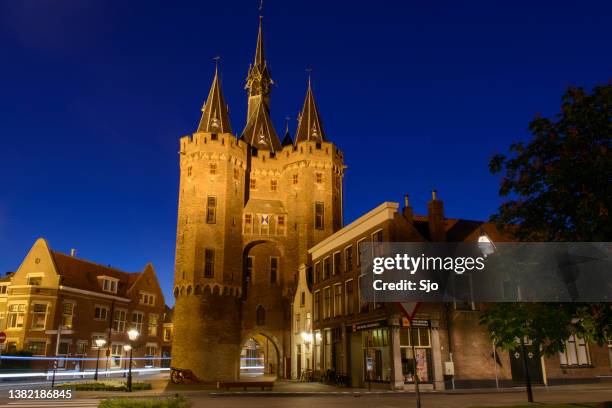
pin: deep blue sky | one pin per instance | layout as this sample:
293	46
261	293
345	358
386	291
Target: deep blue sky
94	96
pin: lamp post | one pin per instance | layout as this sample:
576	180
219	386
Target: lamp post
99	343
126	348
132	335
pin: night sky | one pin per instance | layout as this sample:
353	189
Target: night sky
94	96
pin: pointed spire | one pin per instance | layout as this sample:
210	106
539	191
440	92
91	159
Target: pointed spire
259	50
259	131
215	116
310	126
287	140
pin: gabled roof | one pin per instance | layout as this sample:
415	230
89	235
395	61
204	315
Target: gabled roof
81	274
259	131
310	126
215	116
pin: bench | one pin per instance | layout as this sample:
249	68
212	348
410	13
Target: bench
245	384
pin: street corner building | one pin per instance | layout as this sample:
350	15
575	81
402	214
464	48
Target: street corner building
267	279
85	301
250	206
444	345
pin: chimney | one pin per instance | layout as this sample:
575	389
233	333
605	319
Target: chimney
408	209
435	210
72	252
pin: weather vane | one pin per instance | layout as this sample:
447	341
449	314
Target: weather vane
260	6
217	58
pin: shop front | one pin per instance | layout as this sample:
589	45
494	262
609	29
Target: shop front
416	352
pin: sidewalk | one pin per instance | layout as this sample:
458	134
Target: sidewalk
162	387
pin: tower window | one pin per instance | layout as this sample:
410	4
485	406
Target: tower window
280	225
319	215
248	224
260	315
212	169
249	269
273	185
319	177
211	210
236	174
252	184
189	171
295	179
273	269
209	263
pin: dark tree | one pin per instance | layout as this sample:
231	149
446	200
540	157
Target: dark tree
559	188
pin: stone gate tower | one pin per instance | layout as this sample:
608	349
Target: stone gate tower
249	208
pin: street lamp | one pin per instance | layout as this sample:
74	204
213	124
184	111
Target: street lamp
132	335
126	348
99	343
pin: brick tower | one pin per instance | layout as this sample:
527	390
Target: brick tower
249	208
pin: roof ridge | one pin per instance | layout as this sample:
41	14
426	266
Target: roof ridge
94	263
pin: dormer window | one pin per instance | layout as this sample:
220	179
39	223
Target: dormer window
109	284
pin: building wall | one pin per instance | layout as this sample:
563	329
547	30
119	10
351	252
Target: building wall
302	327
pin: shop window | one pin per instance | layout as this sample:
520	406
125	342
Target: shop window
211	210
319	215
337	263
150	353
348	259
420	338
376	349
67	315
209	263
576	353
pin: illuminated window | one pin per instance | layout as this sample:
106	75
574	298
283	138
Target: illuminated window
119	320
109	285
39	316
152	328
35	280
37	348
67	314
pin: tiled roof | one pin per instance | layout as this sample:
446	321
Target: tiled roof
81	274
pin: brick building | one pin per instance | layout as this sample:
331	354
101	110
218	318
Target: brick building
249	208
85	301
452	349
